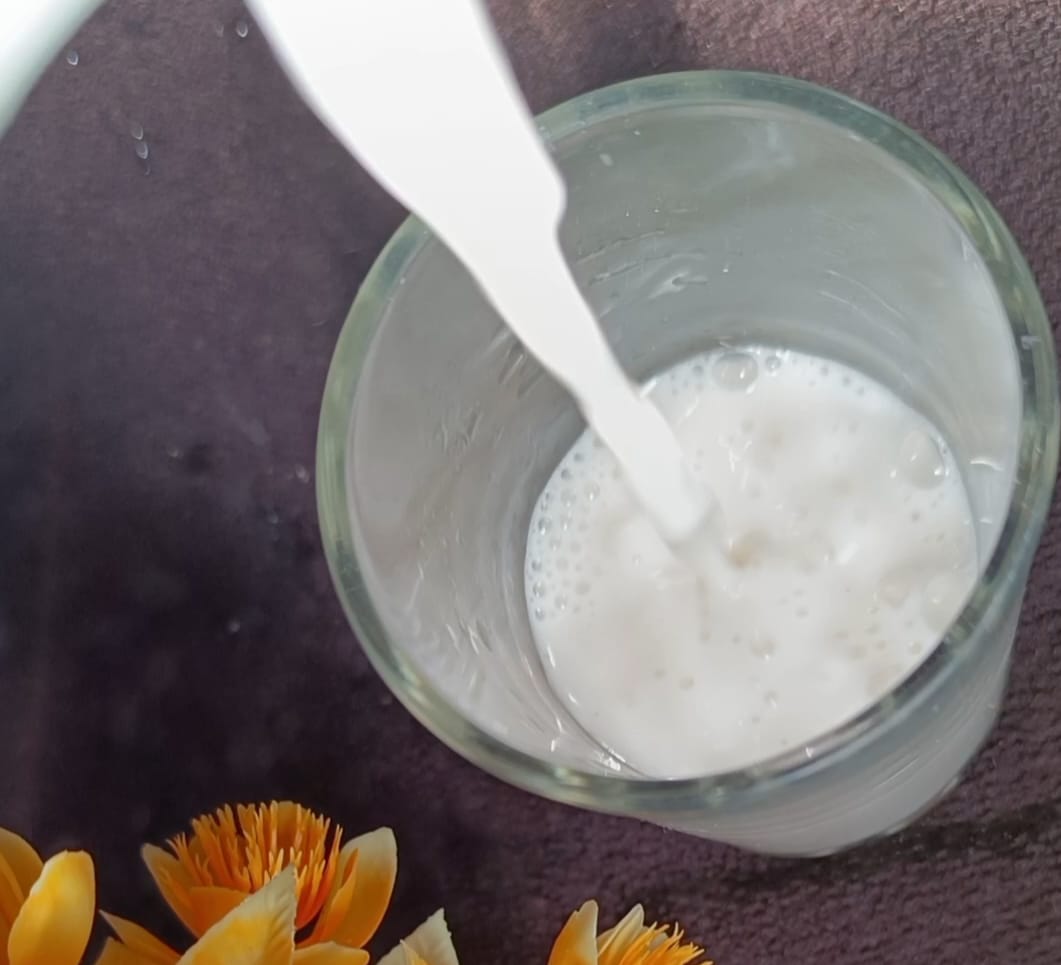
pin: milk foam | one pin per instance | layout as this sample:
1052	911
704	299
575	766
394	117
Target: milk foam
847	548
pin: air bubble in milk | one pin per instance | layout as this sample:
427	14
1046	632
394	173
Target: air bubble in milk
736	371
920	460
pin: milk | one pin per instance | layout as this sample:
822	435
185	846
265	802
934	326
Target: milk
843	549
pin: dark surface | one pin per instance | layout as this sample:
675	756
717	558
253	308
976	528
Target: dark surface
169	638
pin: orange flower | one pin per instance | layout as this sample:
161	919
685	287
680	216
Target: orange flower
46	908
340	890
631	942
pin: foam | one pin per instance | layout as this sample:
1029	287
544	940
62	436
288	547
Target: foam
844	549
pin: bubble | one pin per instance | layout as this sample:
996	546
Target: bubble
773	363
736	371
607	160
137	132
538	589
567	498
565	474
142	150
539	613
536	565
73	58
242	29
770	698
763	647
921	460
544	525
560	602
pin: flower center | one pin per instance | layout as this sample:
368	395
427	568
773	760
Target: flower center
247	849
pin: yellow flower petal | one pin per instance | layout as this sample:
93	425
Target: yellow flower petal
24	862
258	932
613	944
330	954
376	869
115	953
172	881
207	906
577	942
140	941
11	897
430	944
56	920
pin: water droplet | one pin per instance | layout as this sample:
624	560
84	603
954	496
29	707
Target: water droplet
686	683
561	602
137	132
538	589
301	473
233	626
606	160
582	587
592	491
242	29
142	150
72	58
544	525
773	363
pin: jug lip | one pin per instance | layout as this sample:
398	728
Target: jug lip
1000	584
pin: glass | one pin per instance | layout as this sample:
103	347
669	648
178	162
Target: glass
705	209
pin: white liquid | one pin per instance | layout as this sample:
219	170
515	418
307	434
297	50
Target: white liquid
847	547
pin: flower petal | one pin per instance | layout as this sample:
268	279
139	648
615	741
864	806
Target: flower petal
172	881
208	905
613	944
430	944
115	953
11	898
330	954
24	862
56	920
376	869
260	931
577	942
337	905
140	941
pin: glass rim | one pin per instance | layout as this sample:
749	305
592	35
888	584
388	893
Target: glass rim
1001	581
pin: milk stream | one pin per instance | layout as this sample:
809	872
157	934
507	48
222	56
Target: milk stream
429	106
845	548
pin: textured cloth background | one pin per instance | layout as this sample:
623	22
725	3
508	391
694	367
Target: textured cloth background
169	638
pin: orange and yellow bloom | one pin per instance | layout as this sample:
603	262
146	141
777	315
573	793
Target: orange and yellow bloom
339	891
46	908
271	884
631	942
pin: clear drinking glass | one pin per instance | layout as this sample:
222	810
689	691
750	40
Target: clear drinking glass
705	209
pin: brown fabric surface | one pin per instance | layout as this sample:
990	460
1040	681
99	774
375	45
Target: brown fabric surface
169	638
